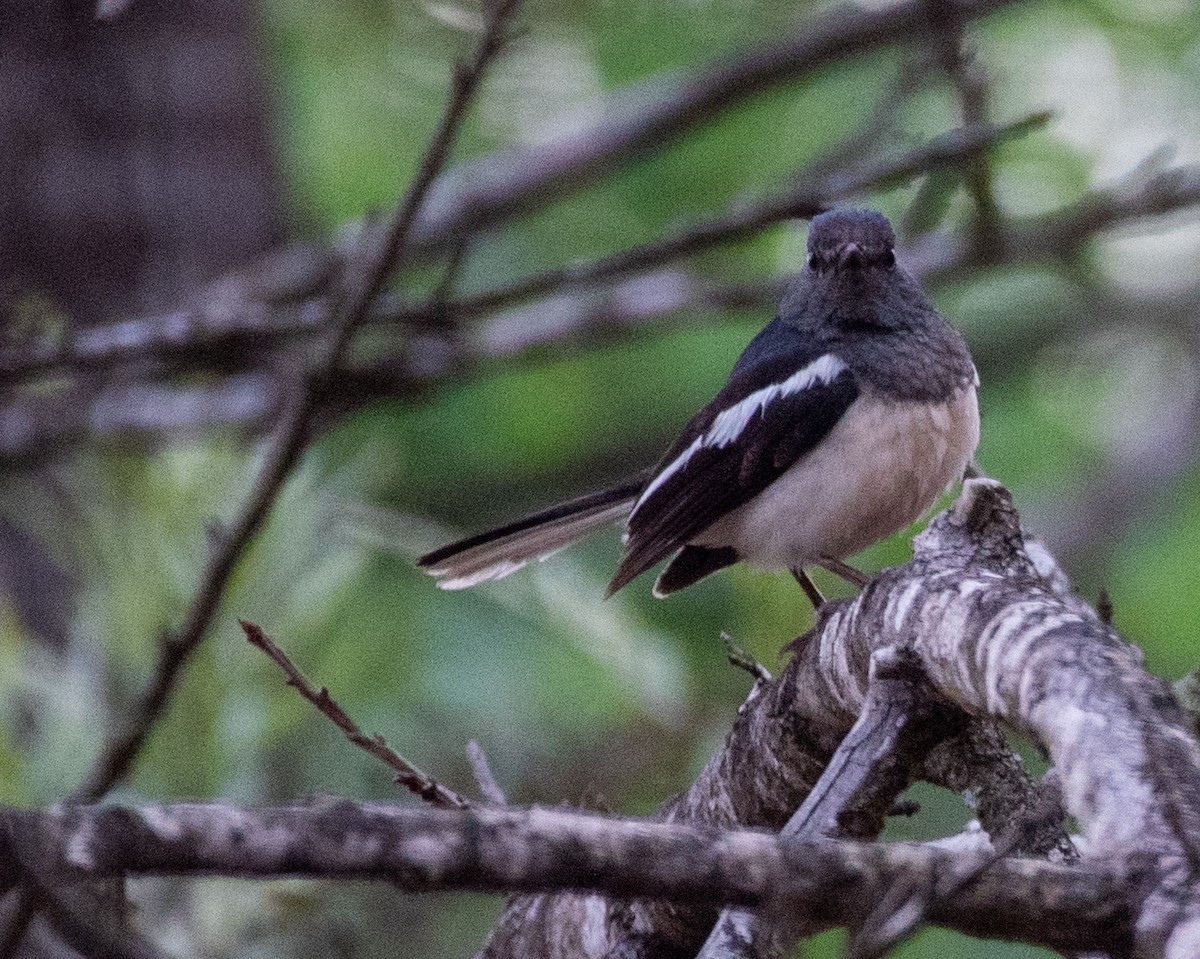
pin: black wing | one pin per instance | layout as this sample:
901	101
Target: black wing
791	393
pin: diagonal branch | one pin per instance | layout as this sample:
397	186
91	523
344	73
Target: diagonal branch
244	308
803	201
524	179
900	722
363	283
493	189
407	775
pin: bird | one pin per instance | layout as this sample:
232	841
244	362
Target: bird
842	422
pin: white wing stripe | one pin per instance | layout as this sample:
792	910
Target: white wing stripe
729	424
674	467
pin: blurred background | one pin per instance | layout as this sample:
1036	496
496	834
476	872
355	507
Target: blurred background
152	156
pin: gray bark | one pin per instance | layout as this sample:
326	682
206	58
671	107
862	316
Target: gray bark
993	635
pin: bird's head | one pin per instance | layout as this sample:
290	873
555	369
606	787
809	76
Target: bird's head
851	244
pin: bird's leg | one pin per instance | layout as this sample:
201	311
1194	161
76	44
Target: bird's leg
844	570
809	587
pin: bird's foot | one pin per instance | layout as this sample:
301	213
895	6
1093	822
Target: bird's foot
844	570
809	587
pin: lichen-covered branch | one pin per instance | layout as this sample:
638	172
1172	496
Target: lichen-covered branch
999	640
900	722
994	636
996	640
423	849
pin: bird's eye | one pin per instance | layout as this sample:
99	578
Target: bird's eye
889	259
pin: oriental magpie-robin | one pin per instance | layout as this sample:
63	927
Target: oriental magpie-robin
842	422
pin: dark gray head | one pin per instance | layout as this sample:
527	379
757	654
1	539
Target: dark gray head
851	240
871	313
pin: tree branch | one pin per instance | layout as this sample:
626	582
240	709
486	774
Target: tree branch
998	640
409	776
520	181
423	849
31	430
803	201
242	308
364	280
900	722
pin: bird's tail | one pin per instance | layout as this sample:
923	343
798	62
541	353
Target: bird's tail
498	552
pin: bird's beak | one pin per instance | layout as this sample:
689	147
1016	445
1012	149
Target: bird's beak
849	257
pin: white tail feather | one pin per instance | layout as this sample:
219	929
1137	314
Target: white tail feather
506	555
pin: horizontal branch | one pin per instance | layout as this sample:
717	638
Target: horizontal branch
804	200
267	304
420	849
280	294
651	115
41	425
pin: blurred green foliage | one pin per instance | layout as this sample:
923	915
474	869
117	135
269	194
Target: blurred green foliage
575	699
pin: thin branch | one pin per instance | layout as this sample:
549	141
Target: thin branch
903	910
1058	236
90	927
32	431
84	918
484	776
498	187
805	200
522	180
238	310
407	775
361	287
362	282
966	73
882	124
743	660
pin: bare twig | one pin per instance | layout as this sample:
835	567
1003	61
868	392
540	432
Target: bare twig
88	926
200	333
880	126
958	59
364	278
805	200
498	187
524	179
743	660
484	776
1058	236
407	775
